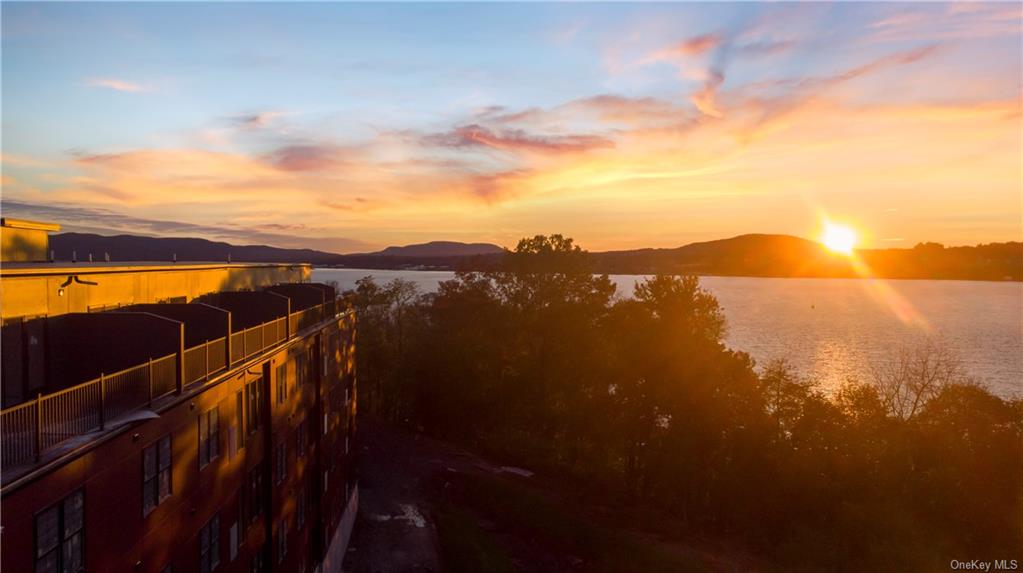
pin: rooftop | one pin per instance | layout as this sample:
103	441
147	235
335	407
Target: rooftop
68	267
123	365
26	224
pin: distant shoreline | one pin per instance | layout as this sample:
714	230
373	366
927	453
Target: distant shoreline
754	255
717	275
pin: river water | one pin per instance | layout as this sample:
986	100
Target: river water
833	329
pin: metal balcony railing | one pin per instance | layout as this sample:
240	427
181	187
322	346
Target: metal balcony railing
31	428
205	360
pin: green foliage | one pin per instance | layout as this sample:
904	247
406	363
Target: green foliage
465	547
530	515
540	359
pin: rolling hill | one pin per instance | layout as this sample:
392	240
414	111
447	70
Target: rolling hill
746	255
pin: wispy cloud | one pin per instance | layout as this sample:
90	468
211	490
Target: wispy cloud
23	161
954	21
108	221
689	47
309	157
566	33
468	136
255	120
116	85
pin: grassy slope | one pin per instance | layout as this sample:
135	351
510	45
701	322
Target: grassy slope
491	523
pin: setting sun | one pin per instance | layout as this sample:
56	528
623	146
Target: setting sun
839	238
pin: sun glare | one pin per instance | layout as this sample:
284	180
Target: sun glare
839	238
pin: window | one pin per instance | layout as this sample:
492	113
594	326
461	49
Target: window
282	383
257	565
209	545
156	474
280	462
254	395
209	433
255	494
242	500
240	412
232	542
282	540
301	438
301	368
300	507
60	535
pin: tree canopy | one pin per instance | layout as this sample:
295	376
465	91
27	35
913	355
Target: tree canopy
540	361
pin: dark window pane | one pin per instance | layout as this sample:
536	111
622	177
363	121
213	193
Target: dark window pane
215	541
204	457
73	506
73	554
240	408
47	564
165	452
148	497
149	462
165	483
46	531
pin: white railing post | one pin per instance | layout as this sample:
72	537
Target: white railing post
39	425
102	400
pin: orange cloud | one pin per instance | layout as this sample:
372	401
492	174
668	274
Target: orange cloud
706	98
695	46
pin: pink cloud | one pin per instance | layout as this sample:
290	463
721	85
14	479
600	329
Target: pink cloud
706	98
305	157
115	84
695	46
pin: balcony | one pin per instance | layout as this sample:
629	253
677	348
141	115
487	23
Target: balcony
192	343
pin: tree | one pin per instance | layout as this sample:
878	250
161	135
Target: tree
384	320
915	375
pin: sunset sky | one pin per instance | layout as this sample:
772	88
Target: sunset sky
352	127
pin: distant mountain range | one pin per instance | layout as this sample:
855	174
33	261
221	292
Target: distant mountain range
745	255
135	248
439	249
788	256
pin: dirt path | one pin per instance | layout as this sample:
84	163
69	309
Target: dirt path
394	531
